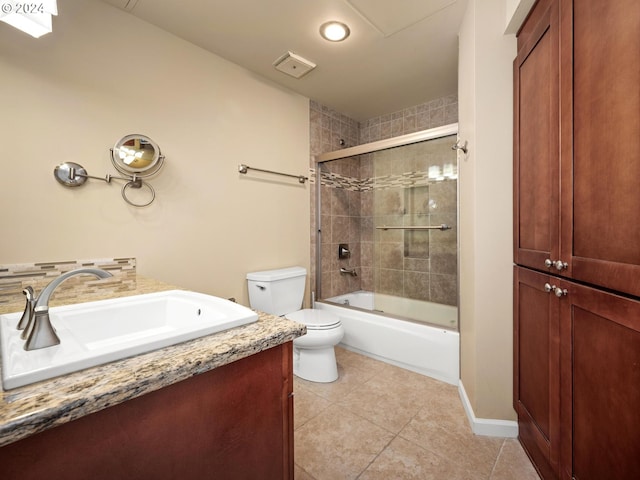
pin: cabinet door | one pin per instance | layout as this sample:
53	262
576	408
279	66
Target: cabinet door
600	338
536	139
537	369
231	423
601	180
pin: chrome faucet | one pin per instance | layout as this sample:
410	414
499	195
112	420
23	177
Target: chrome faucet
350	271
38	331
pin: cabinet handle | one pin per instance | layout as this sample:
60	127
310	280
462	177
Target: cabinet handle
560	265
548	263
560	292
548	288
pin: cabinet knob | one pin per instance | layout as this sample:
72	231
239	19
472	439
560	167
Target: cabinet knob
560	292
560	265
548	288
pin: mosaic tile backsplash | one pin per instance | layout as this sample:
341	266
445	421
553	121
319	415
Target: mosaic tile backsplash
15	277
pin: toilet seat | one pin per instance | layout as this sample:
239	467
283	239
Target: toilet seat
315	319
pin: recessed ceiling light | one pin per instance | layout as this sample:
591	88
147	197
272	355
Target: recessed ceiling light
334	31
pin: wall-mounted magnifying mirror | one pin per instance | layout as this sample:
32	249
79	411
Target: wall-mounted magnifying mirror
135	156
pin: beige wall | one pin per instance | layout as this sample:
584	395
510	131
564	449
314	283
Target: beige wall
102	74
486	253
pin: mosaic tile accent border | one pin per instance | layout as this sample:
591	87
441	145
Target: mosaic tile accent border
15	277
404	180
335	180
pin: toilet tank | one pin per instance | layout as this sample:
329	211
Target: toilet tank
277	292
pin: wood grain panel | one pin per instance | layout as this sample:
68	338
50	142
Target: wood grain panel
536	145
604	389
606	102
537	369
231	423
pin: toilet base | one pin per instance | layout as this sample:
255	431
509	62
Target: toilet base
315	365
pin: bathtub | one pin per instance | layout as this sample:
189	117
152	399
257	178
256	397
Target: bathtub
430	350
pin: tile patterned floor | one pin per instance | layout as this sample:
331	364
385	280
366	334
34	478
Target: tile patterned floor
378	421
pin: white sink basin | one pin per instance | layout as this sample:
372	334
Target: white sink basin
100	332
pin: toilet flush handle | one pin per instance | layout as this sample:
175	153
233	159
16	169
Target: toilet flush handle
261	287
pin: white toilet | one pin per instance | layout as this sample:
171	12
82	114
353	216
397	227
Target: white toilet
280	292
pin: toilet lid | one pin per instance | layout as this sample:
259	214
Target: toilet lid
314	319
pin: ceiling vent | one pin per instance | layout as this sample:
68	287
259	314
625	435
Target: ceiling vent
293	65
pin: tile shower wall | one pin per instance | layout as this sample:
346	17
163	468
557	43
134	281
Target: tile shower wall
348	211
331	131
411	189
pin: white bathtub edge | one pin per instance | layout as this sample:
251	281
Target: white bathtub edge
422	371
425	349
486	426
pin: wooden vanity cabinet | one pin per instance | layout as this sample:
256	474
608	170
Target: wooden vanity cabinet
233	422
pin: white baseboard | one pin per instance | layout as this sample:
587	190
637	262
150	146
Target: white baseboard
486	426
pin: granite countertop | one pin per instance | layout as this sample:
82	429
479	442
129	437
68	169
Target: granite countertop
33	408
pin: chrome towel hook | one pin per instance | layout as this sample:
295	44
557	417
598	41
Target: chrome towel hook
459	146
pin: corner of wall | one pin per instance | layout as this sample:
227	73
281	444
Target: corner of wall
485	211
487	426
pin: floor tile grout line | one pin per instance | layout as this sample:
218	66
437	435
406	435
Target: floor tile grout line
318	413
395	436
376	457
298	465
435	452
495	463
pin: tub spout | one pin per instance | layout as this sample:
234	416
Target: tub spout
350	271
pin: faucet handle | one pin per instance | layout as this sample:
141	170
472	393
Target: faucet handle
27	315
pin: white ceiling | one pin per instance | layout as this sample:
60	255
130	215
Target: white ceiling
400	52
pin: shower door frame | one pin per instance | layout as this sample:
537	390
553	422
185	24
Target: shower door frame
400	141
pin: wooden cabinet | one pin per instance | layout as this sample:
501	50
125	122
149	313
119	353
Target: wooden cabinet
577	98
576	203
536	388
576	378
234	422
536	139
600	197
600	384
